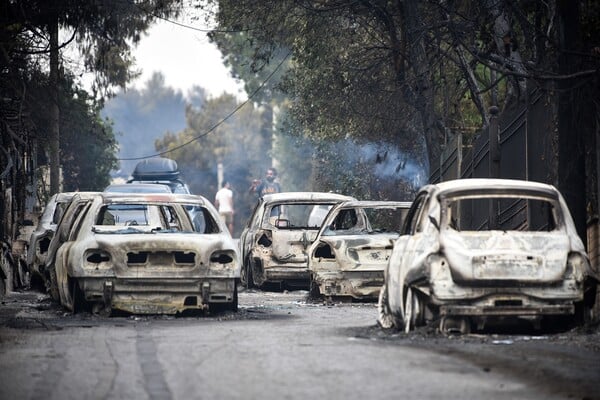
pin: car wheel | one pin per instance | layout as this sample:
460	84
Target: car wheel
53	285
77	297
314	292
413	310
386	319
249	277
234	303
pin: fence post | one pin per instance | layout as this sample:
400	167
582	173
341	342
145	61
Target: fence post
494	161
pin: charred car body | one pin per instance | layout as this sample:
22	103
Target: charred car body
352	248
144	254
276	238
478	250
39	242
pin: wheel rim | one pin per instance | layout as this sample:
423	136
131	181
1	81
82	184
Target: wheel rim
385	318
408	311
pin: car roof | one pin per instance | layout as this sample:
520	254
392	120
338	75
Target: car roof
458	185
374	203
305	196
138	188
116	197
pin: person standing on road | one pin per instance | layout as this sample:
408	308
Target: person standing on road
224	203
268	185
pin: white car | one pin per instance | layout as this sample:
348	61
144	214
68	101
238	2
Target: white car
275	240
352	248
479	250
144	254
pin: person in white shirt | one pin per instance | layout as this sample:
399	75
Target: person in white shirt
224	203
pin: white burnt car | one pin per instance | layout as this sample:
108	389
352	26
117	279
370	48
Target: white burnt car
39	242
275	240
144	254
353	247
479	250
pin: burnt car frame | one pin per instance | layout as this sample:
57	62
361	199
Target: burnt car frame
144	254
39	242
465	260
275	240
352	248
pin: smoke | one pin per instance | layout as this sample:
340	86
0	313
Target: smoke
389	162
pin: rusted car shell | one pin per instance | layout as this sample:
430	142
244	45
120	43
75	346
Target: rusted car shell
351	262
436	271
144	269
273	254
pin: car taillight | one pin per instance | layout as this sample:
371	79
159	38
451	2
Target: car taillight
265	238
97	258
576	264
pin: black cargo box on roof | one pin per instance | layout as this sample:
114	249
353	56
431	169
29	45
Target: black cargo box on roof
156	169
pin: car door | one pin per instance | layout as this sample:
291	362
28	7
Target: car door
404	251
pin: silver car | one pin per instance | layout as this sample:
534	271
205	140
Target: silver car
144	254
479	250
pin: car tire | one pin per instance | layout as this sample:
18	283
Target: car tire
386	319
249	276
80	304
314	292
53	285
234	303
414	312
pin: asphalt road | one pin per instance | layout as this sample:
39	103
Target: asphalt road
279	346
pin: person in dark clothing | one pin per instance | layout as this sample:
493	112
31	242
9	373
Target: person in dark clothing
267	185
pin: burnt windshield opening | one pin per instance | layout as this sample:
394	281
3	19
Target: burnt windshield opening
298	215
507	213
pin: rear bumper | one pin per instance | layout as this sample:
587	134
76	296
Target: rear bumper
508	311
158	296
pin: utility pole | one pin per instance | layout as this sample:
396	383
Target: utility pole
54	111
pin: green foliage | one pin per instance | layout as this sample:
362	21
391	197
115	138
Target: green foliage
88	145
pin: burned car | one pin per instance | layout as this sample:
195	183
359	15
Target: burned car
144	254
353	247
477	251
275	240
39	242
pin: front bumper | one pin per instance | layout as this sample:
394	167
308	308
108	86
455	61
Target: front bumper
355	284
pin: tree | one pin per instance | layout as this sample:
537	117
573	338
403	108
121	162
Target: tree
103	33
209	139
143	116
401	69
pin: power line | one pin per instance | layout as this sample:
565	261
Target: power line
218	123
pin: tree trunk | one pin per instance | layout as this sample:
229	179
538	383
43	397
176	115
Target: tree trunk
420	83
